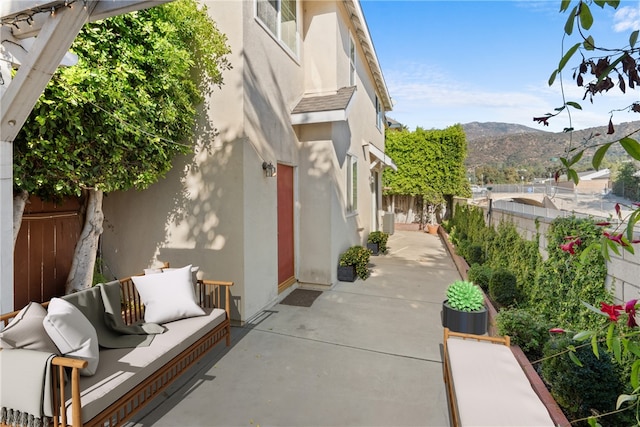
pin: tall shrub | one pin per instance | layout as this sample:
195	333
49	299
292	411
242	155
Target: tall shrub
563	284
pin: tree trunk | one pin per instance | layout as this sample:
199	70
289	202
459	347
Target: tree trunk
84	258
19	203
409	217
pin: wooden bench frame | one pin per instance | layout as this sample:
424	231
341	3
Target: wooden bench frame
210	294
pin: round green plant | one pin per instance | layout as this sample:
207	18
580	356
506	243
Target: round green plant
463	295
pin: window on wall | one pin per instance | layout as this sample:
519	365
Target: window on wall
352	62
281	18
379	113
352	183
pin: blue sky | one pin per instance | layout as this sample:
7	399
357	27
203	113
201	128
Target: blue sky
448	62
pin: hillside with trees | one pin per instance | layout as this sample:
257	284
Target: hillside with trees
508	151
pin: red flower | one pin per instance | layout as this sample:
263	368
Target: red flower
612	310
630	309
570	246
603	224
615	238
556	330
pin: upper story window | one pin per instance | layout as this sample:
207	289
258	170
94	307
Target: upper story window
379	113
281	18
352	62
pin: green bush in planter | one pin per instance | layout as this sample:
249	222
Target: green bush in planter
475	254
380	238
358	256
528	330
480	274
583	391
463	295
503	288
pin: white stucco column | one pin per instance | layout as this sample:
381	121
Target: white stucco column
6	207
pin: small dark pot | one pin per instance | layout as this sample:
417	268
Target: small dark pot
373	247
474	322
347	273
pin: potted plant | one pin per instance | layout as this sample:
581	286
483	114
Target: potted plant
464	309
377	242
354	263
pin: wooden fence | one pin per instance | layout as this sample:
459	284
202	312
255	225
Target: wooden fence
44	249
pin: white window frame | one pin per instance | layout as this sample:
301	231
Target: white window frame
351	187
276	28
352	61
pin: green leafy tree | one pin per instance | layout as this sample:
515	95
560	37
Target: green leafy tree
116	119
626	183
430	164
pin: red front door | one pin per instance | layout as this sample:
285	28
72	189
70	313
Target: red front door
286	265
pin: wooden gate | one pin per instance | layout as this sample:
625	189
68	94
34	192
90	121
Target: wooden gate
44	249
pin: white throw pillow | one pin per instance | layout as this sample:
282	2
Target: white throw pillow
72	333
168	296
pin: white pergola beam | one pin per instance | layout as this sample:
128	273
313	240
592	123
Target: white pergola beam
100	9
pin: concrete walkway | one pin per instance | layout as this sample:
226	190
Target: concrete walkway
364	354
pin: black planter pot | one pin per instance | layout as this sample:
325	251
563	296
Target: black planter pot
474	322
373	247
347	273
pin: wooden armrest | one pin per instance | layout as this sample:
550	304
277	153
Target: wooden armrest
60	411
69	362
215	282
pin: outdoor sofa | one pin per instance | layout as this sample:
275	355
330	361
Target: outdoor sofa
159	329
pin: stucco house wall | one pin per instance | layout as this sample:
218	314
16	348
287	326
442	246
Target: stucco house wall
216	208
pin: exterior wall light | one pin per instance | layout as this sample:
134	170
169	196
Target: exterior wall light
269	169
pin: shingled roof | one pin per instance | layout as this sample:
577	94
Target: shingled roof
322	108
338	101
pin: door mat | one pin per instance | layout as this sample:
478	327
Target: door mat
301	297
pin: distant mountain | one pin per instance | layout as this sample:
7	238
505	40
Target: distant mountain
506	144
477	130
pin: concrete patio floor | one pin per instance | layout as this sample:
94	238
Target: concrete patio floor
364	354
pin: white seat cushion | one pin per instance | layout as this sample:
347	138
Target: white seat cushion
491	389
122	369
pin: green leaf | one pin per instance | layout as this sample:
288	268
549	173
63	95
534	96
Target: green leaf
574	358
583	335
635	372
617	350
575	159
552	77
589	43
633	38
594	309
567	56
633	348
574	105
609	340
573	175
594	346
564	5
623	398
631	146
599	155
568	26
586	19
